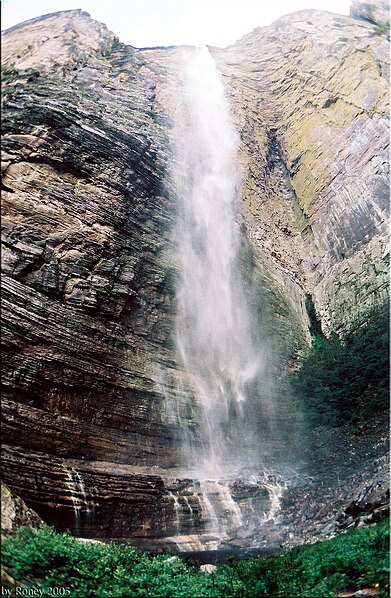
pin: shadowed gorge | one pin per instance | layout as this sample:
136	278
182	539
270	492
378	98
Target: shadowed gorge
195	290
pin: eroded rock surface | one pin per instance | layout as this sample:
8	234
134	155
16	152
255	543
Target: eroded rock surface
311	97
373	11
56	41
15	512
89	264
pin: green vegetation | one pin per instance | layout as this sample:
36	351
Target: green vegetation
43	559
341	382
8	72
383	29
117	45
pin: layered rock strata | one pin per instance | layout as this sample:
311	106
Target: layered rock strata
311	95
89	266
87	304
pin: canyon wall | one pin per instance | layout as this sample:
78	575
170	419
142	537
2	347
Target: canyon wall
311	97
89	265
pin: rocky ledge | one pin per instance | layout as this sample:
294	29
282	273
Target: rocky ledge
329	490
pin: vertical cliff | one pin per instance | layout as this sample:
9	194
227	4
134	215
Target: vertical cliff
85	219
86	292
311	97
92	386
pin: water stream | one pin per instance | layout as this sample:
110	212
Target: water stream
81	503
217	338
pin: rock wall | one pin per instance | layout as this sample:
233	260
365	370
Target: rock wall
89	266
311	96
15	512
376	12
86	297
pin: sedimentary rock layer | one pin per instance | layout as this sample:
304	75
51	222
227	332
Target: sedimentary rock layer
89	265
311	97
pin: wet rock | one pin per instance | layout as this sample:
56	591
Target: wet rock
242	490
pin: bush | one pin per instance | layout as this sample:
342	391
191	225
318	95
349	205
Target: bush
43	559
356	559
341	382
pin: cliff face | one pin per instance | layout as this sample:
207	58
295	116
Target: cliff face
89	263
87	302
85	219
311	97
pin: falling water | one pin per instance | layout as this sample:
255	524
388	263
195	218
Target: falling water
78	494
214	333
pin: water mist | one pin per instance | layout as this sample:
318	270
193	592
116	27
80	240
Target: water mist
216	338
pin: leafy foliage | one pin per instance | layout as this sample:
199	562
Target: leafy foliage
341	382
42	559
356	559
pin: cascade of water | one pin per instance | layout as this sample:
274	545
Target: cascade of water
70	483
189	507
87	504
79	496
208	508
214	333
208	514
223	512
217	337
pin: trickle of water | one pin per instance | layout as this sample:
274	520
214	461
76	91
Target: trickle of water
189	507
70	483
177	510
275	489
208	508
78	492
214	336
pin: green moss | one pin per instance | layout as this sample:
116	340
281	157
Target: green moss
383	29
8	72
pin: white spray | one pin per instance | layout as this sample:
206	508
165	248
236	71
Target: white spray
213	328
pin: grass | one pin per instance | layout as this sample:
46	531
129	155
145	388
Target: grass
45	559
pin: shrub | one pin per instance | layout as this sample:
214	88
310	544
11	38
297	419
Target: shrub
42	558
347	381
383	29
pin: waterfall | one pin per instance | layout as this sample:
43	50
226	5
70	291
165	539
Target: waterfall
80	502
222	403
216	339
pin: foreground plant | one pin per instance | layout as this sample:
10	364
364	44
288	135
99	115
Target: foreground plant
60	565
